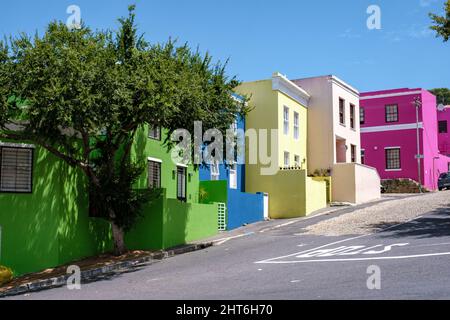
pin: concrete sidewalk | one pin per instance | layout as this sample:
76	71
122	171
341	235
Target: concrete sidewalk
314	218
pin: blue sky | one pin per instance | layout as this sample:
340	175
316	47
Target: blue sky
296	37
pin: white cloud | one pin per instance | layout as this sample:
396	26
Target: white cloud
426	3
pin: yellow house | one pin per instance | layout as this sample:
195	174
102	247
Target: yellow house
279	113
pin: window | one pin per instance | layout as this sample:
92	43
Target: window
233	176
352	116
392	113
154	174
363	156
286	120
362	116
297	161
353	152
154	133
442	126
342	111
393	159
286	159
215	172
181	183
296	126
16	169
448	166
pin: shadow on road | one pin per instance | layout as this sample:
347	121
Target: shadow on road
435	224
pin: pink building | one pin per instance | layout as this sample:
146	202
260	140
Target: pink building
444	134
389	135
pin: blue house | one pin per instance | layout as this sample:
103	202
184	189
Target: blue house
226	184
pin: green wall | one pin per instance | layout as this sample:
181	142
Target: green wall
50	226
169	222
215	191
145	147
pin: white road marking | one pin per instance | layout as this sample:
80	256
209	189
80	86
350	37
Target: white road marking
336	242
218	242
360	259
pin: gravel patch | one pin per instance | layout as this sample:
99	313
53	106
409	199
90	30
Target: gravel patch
375	218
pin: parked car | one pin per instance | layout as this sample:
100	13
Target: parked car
444	181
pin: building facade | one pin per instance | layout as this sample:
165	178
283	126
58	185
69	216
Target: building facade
279	114
389	135
334	142
443	131
225	184
44	207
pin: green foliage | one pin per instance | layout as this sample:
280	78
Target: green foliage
442	95
442	23
322	173
83	95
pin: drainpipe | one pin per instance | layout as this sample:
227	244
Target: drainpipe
417	103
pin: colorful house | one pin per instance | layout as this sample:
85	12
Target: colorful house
334	141
44	216
389	135
443	131
226	185
279	115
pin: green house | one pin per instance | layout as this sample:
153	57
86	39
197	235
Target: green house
44	216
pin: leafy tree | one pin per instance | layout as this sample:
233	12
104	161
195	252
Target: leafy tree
82	95
442	95
442	23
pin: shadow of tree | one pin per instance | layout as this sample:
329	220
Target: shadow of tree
434	225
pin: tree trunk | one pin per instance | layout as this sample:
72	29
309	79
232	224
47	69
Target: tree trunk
118	238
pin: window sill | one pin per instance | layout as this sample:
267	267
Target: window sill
393	170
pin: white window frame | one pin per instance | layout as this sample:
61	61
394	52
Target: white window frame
287	159
233	176
153	160
286	120
296	125
215	171
297	160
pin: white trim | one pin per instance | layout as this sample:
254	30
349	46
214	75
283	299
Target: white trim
395	127
390	148
154	159
17	145
393	170
284	85
344	85
182	165
388	95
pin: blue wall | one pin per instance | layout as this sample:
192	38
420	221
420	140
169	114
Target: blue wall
243	208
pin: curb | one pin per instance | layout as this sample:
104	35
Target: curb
96	274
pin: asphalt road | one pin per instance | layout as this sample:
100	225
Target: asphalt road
407	261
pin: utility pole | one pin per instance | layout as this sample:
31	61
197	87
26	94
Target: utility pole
417	103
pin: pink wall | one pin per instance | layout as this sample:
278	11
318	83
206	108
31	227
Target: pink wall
374	143
444	138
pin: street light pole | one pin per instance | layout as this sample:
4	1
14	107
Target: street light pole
418	104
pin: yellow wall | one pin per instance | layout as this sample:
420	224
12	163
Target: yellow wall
291	192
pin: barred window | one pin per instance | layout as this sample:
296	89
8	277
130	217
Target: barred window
442	126
363	156
154	133
392	113
16	169
393	159
341	111
353	153
181	183
352	116
154	174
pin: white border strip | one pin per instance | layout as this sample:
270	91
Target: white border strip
154	159
17	145
388	95
395	127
